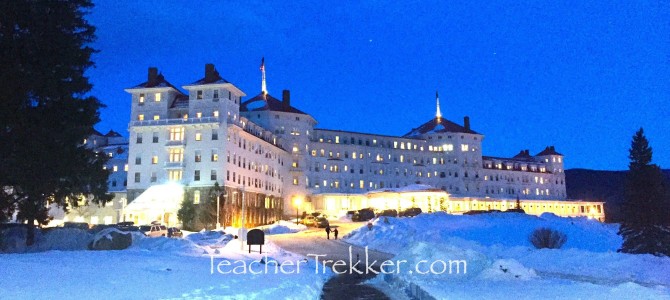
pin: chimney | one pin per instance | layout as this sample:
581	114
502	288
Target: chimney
528	152
466	122
286	98
210	73
153	76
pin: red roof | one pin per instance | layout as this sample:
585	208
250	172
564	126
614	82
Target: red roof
438	125
263	102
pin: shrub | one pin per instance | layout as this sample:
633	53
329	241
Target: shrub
547	238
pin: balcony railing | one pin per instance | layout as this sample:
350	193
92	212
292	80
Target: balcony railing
177	121
175	165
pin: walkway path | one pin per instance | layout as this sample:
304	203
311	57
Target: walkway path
344	286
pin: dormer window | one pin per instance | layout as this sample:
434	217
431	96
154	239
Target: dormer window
198	95
141	99
215	95
158	97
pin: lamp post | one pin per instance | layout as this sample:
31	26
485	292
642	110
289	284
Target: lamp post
297	201
218	207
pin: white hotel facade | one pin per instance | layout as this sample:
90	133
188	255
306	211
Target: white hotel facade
270	155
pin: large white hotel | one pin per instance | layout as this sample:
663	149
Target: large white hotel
269	154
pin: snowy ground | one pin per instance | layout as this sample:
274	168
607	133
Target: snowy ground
502	264
202	265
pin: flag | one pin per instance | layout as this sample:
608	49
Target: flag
263	64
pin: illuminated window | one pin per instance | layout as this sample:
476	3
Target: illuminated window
198	156
141	101
198	136
464	147
449	147
361	184
158	97
198	115
176	154
313	152
115	168
196	197
140	117
215	156
157	117
174	175
125	167
154	159
295	181
177	134
216	113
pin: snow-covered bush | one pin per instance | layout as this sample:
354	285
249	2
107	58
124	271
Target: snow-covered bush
548	238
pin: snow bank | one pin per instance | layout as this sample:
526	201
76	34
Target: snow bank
505	229
282	227
502	263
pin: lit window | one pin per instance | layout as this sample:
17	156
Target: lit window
198	156
174	175
198	136
157	117
196	197
154	159
158	97
295	181
176	154
198	115
125	167
141	101
464	147
140	117
215	156
115	168
216	113
177	134
449	147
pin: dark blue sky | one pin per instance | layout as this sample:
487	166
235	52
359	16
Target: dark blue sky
580	75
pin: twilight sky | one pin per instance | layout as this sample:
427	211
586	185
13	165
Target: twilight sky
580	75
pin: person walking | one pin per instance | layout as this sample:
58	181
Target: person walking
328	231
335	232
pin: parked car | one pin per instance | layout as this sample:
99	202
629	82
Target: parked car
99	227
515	210
322	222
479	212
309	220
363	215
410	212
388	213
79	225
154	230
350	214
174	232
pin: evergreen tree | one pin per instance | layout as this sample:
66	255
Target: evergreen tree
45	111
187	212
518	203
207	208
646	224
